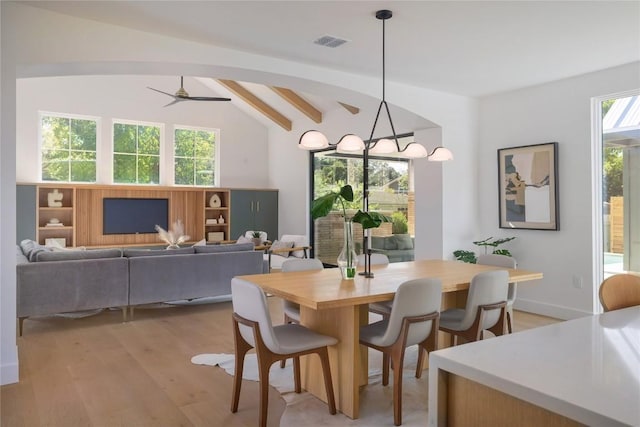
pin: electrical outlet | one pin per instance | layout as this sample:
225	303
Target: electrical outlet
577	282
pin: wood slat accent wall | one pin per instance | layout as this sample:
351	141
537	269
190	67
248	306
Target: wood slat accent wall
186	204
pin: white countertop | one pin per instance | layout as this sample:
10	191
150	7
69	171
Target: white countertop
586	369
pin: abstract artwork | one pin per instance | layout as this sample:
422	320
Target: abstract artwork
528	187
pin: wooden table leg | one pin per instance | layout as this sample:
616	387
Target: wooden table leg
349	364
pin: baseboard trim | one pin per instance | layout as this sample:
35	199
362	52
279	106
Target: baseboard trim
550	310
9	373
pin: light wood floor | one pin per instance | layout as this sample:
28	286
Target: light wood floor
99	371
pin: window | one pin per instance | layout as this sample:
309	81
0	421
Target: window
136	153
68	148
390	193
194	156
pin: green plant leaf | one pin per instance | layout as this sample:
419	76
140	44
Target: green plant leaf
370	219
502	252
346	192
323	205
465	256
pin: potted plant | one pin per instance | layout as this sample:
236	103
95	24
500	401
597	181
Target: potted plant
470	256
320	207
256	238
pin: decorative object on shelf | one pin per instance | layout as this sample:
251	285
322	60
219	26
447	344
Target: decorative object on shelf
54	199
323	205
59	242
214	201
174	236
211	221
470	256
215	236
220	219
353	144
528	187
54	222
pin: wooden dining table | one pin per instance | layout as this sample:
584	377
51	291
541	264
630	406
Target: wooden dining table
337	307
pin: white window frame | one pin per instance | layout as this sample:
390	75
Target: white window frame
216	160
96	119
161	150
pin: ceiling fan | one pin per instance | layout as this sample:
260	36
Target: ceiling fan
183	95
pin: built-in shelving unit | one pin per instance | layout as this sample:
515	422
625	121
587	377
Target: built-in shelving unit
216	215
53	221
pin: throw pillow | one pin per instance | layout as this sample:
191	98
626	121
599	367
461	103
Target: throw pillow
298	241
403	241
202	242
31	249
79	255
132	253
279	244
243	239
214	249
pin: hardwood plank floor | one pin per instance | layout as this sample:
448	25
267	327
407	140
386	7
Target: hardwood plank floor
99	371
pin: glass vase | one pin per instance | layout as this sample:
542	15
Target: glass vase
348	259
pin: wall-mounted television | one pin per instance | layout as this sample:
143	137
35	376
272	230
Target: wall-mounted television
134	216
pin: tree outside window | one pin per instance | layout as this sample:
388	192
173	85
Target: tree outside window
194	157
68	149
136	154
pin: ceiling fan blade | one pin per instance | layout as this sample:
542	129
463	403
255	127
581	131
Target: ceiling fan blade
166	93
207	98
175	101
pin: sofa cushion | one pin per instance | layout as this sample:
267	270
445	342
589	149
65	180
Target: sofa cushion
299	241
403	241
390	243
31	249
130	253
234	247
76	255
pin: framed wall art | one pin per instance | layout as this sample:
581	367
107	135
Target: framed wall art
528	187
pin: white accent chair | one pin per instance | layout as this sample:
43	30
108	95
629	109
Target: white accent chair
300	249
485	309
413	320
384	307
505	262
252	328
291	309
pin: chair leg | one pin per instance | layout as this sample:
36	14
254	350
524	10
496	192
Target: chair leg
328	383
296	374
241	351
263	374
510	321
397	356
20	324
419	365
385	369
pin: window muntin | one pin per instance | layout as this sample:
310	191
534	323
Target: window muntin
136	153
68	147
194	156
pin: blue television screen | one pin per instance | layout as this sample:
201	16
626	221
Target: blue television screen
134	216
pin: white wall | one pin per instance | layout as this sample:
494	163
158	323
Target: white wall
243	141
561	112
39	43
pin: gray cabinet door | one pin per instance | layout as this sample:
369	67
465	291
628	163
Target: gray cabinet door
25	212
254	210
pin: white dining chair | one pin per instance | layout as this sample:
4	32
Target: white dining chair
253	329
485	308
505	262
413	320
382	308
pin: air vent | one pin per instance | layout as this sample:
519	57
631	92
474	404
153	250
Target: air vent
330	41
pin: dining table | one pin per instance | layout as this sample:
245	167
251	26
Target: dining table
338	307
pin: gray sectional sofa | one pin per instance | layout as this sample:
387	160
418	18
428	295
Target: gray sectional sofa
397	247
51	282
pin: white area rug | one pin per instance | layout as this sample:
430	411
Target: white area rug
376	401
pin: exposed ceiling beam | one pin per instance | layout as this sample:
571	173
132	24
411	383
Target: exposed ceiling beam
350	108
256	103
300	103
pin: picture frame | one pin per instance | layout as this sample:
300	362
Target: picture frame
528	187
